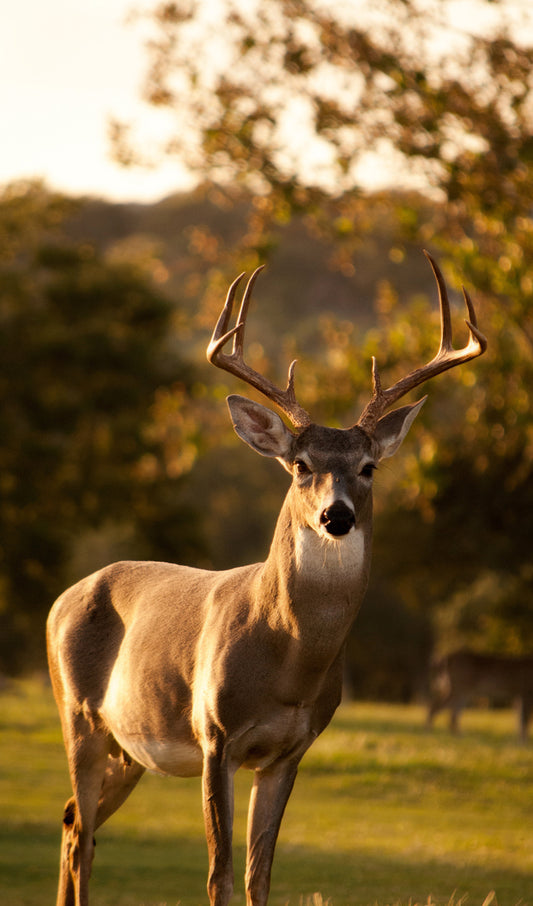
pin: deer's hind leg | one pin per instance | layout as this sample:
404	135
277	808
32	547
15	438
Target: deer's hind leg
102	779
456	705
87	768
88	747
121	776
87	751
525	708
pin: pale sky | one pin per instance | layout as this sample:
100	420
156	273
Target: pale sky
65	67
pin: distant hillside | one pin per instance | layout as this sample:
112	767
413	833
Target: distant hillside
299	284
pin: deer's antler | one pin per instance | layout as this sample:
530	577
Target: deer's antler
447	357
234	361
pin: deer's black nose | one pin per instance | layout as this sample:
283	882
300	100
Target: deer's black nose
338	518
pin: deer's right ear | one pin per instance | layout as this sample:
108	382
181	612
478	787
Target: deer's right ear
259	427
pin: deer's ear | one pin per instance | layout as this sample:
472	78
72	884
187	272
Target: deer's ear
259	427
393	427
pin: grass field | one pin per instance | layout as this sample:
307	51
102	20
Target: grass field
383	813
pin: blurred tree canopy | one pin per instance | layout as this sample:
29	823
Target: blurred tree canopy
298	103
285	111
293	100
82	354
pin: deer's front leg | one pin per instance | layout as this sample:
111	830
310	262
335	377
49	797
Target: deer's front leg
270	792
217	793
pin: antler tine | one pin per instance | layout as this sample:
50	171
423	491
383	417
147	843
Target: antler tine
476	338
221	335
238	340
234	363
447	357
444	306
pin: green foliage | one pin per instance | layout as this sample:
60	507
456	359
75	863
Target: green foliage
388	647
288	100
80	340
383	812
150	466
285	101
493	613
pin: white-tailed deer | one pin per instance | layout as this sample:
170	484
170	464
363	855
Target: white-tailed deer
185	671
461	677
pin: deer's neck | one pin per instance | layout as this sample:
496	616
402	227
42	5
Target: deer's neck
315	584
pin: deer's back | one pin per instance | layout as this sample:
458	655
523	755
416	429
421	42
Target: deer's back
490	675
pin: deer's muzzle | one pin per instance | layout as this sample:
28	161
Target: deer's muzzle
337	519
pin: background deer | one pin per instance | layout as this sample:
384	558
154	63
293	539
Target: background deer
462	676
186	671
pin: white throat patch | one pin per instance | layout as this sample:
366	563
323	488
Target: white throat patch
330	557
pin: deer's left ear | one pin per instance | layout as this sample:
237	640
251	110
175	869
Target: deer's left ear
393	427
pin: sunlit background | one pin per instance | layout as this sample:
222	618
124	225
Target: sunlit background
65	68
150	152
332	145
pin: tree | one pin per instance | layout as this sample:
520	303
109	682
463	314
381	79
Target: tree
288	100
81	358
292	100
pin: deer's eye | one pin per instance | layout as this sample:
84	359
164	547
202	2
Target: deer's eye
368	470
301	467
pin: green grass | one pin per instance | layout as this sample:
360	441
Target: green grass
383	812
